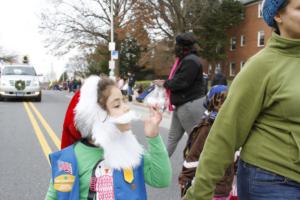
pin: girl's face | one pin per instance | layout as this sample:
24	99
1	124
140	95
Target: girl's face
116	107
288	20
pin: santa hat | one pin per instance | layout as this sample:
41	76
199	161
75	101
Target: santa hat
82	112
70	134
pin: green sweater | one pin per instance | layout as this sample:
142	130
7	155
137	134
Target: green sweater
261	114
157	167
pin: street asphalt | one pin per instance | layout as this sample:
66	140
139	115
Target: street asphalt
24	167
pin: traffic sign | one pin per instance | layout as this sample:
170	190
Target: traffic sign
115	55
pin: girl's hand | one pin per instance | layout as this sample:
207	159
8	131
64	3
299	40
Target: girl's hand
152	122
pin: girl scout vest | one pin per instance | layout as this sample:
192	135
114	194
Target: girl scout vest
127	184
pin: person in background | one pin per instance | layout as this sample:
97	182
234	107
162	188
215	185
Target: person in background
70	85
261	114
185	89
75	84
205	82
139	89
219	78
124	89
79	84
120	82
131	83
100	156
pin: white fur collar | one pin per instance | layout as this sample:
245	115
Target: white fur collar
121	150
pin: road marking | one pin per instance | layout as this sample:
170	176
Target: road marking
42	140
51	133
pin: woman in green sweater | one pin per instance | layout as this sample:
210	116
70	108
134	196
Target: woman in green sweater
262	115
100	157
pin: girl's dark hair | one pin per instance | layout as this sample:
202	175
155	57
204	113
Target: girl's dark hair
103	91
276	28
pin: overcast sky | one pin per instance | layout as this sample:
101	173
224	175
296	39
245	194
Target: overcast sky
19	33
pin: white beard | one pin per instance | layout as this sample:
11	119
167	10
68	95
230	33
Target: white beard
125	118
121	149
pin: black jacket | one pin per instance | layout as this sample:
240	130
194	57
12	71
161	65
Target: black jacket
187	82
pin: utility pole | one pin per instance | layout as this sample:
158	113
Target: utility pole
112	44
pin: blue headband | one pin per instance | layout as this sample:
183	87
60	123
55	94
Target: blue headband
270	9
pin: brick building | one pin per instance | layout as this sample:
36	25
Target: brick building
249	37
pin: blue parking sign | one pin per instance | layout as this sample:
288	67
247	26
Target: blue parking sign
115	55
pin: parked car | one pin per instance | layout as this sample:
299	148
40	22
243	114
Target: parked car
19	81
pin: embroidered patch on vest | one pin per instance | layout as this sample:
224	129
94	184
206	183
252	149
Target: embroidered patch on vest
64	183
128	175
65	166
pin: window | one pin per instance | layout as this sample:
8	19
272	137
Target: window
218	68
233	43
29	71
261	38
232	69
243	40
243	15
242	64
259	10
209	69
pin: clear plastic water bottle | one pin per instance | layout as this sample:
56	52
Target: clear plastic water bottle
157	98
161	99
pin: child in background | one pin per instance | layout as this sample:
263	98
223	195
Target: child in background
195	144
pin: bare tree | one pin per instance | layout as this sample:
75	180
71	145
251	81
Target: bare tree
77	65
7	57
78	23
85	24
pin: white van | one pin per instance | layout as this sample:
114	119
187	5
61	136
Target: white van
19	81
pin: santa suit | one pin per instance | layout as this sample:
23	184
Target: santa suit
81	171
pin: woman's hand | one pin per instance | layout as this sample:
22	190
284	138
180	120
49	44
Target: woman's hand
152	122
159	83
